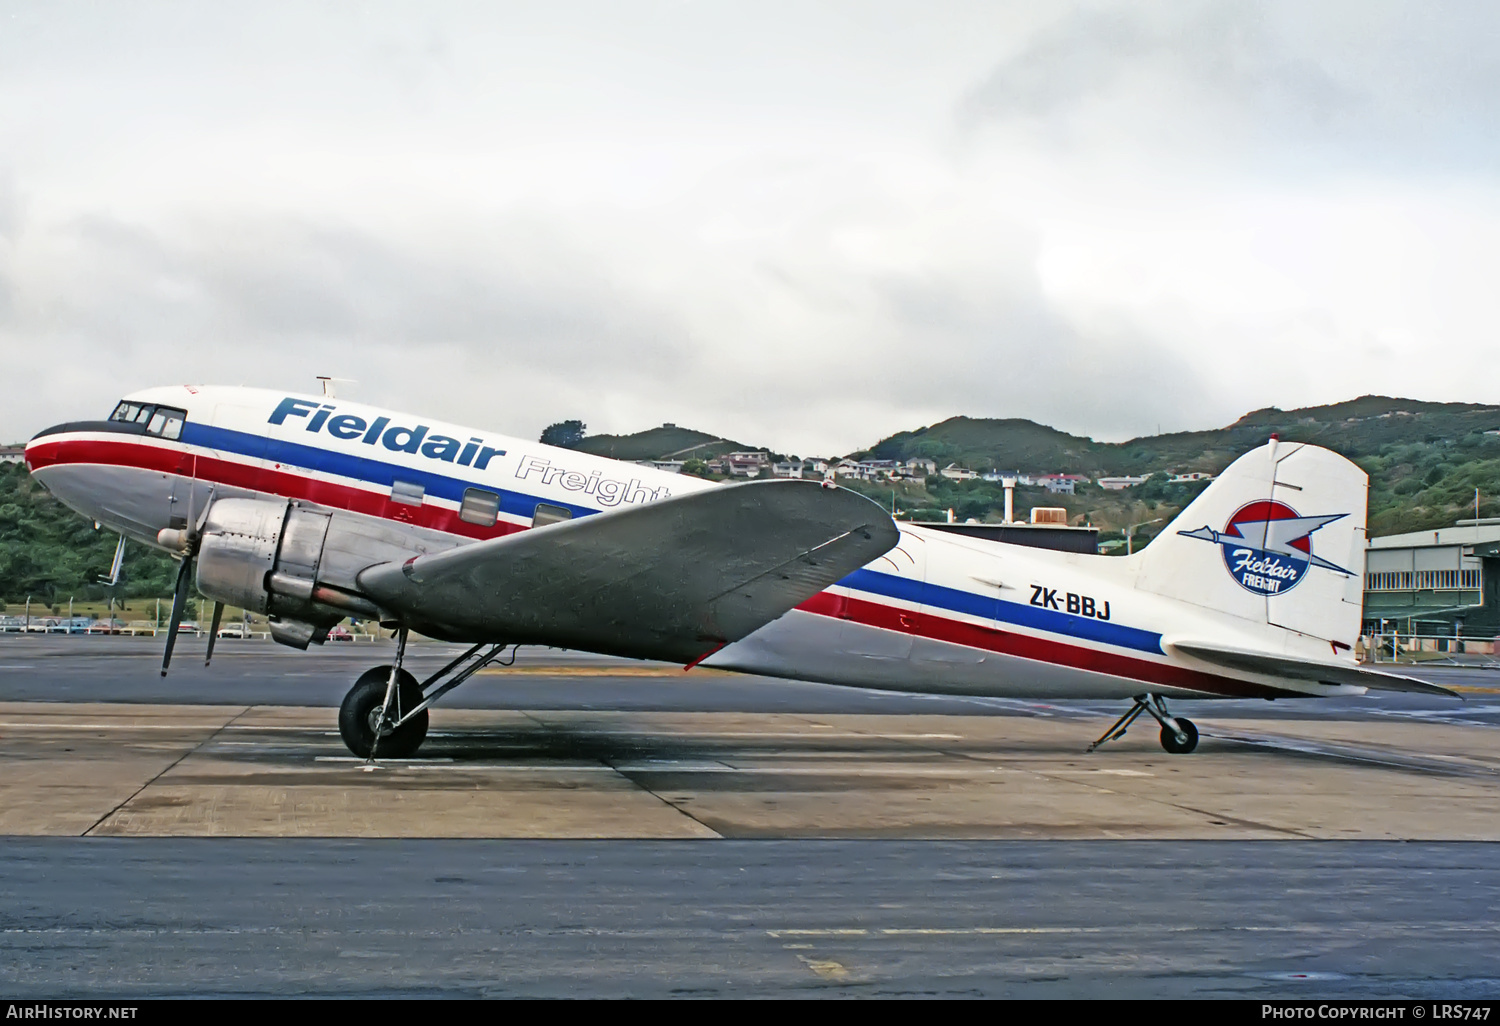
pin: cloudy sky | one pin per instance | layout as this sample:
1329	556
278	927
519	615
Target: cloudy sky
805	225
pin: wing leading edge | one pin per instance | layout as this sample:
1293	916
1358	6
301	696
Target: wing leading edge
673	580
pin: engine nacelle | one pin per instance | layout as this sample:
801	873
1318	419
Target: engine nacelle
264	555
300	565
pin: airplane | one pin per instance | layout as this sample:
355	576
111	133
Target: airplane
309	509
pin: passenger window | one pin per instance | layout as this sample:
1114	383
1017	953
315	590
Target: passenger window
407	493
546	513
479	507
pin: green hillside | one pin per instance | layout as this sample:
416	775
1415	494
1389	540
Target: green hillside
1424	460
666	442
51	553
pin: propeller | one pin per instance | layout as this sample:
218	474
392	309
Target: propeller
179	599
213	632
189	539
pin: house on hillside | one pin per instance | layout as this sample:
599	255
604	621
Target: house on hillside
12	453
670	466
919	466
1060	484
1119	484
745	464
953	472
1187	478
791	470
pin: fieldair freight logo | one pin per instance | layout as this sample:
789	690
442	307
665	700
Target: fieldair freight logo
1268	547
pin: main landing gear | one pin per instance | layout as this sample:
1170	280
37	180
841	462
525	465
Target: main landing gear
1178	735
385	712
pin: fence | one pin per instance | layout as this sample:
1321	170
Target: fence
1397	647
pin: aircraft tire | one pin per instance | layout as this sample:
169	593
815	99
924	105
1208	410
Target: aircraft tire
1175	747
362	704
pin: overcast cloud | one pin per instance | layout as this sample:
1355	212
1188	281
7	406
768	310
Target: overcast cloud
801	225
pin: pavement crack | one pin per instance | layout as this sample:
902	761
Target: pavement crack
166	769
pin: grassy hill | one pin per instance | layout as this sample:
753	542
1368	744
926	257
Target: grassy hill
51	553
1424	459
666	442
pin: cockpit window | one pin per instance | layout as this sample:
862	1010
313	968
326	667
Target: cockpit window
166	422
132	413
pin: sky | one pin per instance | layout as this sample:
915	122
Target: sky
799	225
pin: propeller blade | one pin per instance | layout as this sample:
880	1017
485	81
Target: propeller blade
213	632
179	600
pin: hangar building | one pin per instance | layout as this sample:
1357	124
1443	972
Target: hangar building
1435	582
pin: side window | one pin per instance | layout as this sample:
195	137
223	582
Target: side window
407	493
479	507
546	513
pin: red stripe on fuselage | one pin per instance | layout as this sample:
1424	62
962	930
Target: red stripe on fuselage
923	624
289	485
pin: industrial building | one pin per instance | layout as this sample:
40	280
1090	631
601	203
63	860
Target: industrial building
1445	581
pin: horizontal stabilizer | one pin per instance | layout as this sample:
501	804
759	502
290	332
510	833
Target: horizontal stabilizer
1306	669
672	580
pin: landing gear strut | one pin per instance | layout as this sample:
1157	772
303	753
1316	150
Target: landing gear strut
1178	734
385	713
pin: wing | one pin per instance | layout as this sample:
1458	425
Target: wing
1306	669
672	580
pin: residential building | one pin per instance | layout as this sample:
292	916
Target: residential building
1060	484
670	466
745	464
920	467
1119	484
12	453
792	470
954	472
1186	478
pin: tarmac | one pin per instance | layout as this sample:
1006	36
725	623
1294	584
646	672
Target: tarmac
554	796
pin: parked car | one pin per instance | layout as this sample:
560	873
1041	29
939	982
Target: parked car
41	625
235	630
188	627
106	627
73	625
12	625
340	633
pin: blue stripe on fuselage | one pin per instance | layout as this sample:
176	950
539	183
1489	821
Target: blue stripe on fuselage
1083	628
361	468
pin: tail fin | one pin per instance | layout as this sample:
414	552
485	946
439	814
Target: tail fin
1278	538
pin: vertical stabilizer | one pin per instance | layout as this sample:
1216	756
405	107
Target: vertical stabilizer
1278	538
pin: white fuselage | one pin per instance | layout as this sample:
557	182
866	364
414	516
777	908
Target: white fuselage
939	613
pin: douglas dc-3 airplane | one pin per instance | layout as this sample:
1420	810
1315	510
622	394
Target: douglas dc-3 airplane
310	509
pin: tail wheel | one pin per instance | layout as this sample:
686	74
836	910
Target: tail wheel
361	710
1170	741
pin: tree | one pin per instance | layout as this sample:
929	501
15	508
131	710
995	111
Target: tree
565	433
